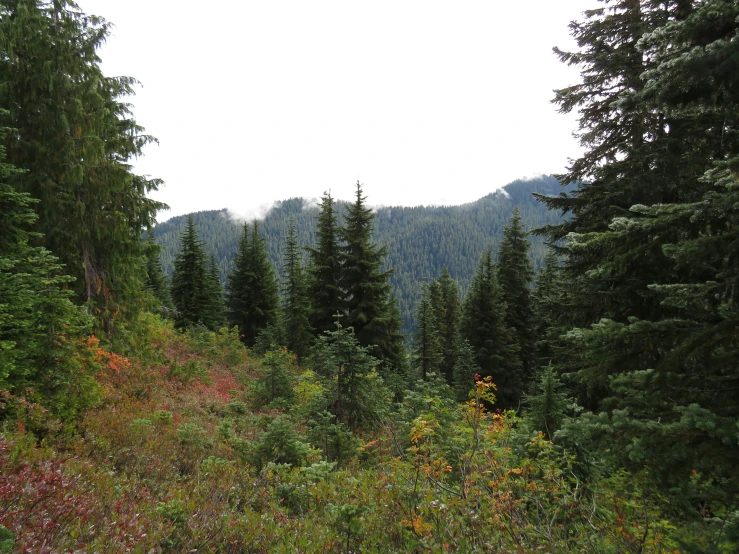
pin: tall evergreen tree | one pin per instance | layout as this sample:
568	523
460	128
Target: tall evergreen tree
238	285
39	326
483	326
515	274
192	291
449	323
464	371
76	137
156	282
550	302
324	271
215	317
371	309
295	304
651	246
548	404
252	293
428	350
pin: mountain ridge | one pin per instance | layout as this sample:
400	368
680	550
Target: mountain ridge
420	239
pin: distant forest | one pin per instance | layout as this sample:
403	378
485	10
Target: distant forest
420	239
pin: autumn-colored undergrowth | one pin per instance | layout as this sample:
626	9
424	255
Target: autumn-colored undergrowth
183	453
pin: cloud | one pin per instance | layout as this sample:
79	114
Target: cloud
310	203
259	212
529	178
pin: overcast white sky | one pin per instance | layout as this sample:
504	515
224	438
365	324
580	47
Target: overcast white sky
425	102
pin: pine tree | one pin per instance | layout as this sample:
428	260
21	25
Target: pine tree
276	382
357	392
156	282
39	326
483	326
449	323
651	246
192	287
428	351
515	274
549	301
636	153
214	318
547	405
252	296
295	298
76	137
324	270
238	285
371	309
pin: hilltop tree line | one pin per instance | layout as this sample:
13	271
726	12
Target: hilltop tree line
620	353
344	282
420	240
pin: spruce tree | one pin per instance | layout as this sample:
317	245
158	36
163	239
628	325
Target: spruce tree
357	393
156	282
40	329
324	271
547	405
295	304
549	300
428	350
651	248
252	296
238	285
215	316
371	309
192	286
76	137
448	323
483	326
515	274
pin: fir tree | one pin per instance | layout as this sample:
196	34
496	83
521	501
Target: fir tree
650	247
214	318
192	287
156	282
547	405
448	323
515	274
370	307
76	137
483	326
357	392
295	297
275	383
252	296
238	285
324	270
39	326
428	351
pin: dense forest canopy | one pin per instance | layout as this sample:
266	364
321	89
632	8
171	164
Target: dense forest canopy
570	384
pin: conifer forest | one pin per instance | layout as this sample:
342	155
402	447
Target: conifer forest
552	368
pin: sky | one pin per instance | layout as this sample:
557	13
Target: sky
423	102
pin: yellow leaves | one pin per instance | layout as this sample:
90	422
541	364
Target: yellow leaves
417	525
422	429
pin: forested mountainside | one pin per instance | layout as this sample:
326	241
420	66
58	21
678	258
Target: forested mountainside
596	412
420	240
